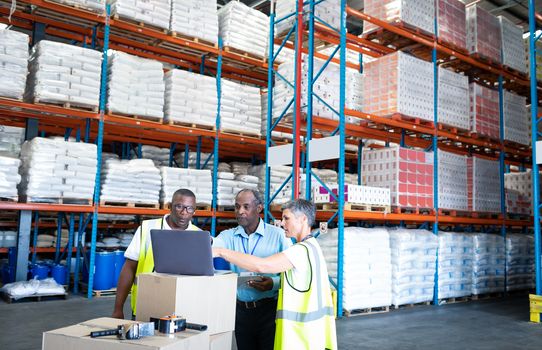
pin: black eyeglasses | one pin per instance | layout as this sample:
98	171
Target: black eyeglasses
181	208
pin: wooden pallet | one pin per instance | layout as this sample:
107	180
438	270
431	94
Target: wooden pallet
201	206
32	298
367	311
485	296
413	120
68	105
459	49
98	293
455	213
487	60
244	54
407	210
51	200
454	300
453	129
129	204
226	208
406	306
116	17
193	39
370	208
240	133
138	117
387	38
190	125
484	215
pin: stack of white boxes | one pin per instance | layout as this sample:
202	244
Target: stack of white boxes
328	11
327	176
278	174
407	173
516	118
452	181
455	254
413	259
399	83
62	73
354	194
9	177
197	18
483	33
235	20
160	156
488	263
512	45
13	63
519	261
198	181
135	86
240	108
53	169
193	160
190	98
229	184
518	187
240	168
453	99
11	138
135	181
91	5
367	268
351	179
484	185
153	12
484	111
416	13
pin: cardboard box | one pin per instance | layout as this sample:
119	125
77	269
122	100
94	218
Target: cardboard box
78	337
208	300
221	341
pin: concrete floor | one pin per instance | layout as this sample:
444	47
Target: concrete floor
489	324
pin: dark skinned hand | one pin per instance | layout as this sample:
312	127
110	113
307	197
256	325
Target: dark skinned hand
263	284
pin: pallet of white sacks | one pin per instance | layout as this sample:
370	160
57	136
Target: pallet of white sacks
454	300
55	200
32	298
366	311
107	203
371	208
68	105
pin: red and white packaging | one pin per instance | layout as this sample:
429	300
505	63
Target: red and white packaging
484	185
416	13
484	111
483	33
452	22
452	181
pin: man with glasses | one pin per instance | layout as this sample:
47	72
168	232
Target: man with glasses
257	297
139	255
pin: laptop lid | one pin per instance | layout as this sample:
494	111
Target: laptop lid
182	252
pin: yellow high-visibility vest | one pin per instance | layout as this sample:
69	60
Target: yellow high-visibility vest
145	263
305	317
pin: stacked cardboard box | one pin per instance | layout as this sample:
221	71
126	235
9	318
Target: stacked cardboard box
240	108
327	176
399	83
407	173
198	181
484	185
483	33
451	22
518	187
517	203
488	263
455	254
197	18
416	13
452	181
516	118
512	45
484	111
13	63
153	12
354	194
453	99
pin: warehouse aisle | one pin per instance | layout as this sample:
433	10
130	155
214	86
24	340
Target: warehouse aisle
490	324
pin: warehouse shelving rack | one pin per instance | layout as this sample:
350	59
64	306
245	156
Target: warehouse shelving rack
94	30
401	132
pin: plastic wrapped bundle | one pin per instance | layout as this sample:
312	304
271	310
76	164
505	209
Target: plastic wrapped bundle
537	58
240	168
160	156
153	12
455	254
328	176
53	169
519	262
9	177
236	20
198	181
516	118
351	179
453	99
484	184
224	167
278	174
64	74
135	181
91	5
452	181
274	133
13	63
413	259
452	25
328	11
206	160
512	45
135	86
487	263
367	268
483	33
416	13
190	98
11	138
195	18
240	108
484	111
520	183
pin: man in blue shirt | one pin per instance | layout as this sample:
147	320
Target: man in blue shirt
257	298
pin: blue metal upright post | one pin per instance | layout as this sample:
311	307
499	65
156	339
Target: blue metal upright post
310	100
269	132
502	170
216	141
70	247
435	158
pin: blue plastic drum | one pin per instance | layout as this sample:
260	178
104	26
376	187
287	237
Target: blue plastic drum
41	271
58	272
104	270
119	262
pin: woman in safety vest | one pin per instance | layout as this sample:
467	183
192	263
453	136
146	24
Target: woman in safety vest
305	316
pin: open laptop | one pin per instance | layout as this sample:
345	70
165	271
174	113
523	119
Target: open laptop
182	252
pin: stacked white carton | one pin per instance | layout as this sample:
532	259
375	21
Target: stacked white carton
62	73
91	5
483	34
193	160
413	259
327	11
452	181
274	134
420	14
198	181
135	86
131	181
160	156
367	268
488	263
53	168
190	98
235	20
512	45
519	261
520	183
229	185
11	138
455	254
516	118
13	63
153	12
240	108
354	194
484	183
453	99
9	177
196	18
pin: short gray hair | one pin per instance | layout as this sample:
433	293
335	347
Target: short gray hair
302	206
257	196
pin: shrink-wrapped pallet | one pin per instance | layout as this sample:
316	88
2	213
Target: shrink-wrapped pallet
11	138
483	33
64	74
451	23
519	261
484	111
199	181
154	12
484	184
516	118
204	161
328	11
453	99
240	108
13	63
9	177
512	45
488	263
414	13
195	18
160	156
452	181
455	255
